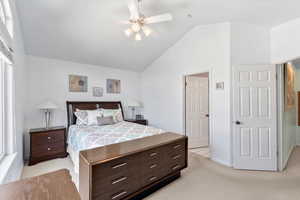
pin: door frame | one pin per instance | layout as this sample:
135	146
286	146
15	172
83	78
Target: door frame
210	96
280	111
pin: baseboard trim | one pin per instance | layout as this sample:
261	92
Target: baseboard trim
288	157
222	162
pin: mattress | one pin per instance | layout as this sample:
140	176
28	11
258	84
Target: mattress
89	137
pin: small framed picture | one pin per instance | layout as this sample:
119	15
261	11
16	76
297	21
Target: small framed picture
220	86
98	91
78	83
113	86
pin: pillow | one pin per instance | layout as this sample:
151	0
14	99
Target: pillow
82	117
105	121
92	116
115	113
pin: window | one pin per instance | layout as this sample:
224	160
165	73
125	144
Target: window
6	16
2	138
2	13
6	111
7	132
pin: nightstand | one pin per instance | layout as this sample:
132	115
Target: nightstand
138	121
46	144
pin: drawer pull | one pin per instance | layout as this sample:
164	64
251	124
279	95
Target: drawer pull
120	165
49	149
176	157
119	180
152	178
49	138
176	167
153	154
177	146
119	195
153	166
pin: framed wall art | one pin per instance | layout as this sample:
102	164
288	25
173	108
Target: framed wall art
113	86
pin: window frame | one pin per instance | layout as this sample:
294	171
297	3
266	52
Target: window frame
7	85
2	12
2	111
6	17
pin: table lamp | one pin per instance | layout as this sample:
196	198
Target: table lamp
47	107
133	105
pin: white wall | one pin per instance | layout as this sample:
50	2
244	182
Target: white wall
203	48
212	47
285	42
297	89
48	80
289	133
250	44
20	70
289	128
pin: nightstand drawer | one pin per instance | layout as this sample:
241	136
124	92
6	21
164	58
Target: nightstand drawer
47	137
47	150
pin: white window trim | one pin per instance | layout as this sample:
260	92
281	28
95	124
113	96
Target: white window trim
7	103
5	166
2	111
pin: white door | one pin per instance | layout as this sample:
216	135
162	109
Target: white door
197	111
254	129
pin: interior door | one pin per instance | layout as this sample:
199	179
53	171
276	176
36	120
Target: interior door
254	105
197	111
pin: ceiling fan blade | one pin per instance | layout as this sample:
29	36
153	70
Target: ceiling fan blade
159	18
133	9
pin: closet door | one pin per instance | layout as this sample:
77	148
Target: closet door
254	106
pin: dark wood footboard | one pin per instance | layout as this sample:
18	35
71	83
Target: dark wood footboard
133	169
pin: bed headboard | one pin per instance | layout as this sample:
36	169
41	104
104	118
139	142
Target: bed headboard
89	105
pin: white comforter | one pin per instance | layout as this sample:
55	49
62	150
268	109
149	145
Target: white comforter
88	137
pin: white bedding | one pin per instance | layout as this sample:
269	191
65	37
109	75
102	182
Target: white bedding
88	137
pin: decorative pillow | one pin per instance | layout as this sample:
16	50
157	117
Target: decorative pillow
92	116
115	113
82	117
105	121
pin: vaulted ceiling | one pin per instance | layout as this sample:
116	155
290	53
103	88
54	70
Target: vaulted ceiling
88	31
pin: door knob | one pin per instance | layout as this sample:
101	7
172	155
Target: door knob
238	123
207	115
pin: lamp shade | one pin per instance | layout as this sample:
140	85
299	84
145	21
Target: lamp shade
47	105
134	104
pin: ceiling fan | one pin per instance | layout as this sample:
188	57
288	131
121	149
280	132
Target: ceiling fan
139	22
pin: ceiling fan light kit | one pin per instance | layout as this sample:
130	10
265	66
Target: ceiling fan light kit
138	21
138	37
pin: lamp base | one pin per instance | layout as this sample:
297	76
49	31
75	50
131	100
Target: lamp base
47	118
133	112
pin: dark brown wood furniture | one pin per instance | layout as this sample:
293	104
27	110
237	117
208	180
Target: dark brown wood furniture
52	186
128	170
47	144
138	121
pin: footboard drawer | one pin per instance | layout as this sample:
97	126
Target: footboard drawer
115	167
137	166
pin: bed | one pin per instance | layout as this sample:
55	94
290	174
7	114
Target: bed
89	137
101	154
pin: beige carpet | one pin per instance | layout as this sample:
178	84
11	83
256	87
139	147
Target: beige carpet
202	151
206	180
